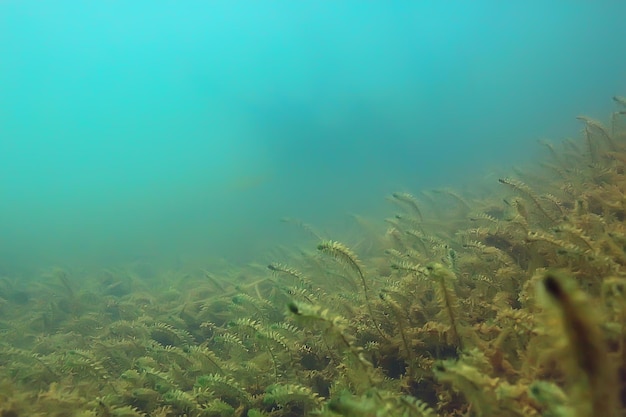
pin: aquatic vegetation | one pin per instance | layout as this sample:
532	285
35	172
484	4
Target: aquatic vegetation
509	304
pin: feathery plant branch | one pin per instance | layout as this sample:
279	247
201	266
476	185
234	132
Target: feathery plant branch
447	297
411	201
344	255
335	329
525	190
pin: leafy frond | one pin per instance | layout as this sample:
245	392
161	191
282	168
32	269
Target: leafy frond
284	394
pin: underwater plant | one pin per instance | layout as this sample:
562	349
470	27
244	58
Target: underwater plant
511	303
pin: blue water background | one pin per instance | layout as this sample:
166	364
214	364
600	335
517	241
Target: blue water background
162	130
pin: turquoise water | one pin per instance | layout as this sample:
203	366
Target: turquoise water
170	131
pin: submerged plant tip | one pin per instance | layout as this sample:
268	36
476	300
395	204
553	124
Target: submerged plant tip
553	287
293	308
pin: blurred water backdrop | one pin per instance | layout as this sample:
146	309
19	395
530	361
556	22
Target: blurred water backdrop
172	131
